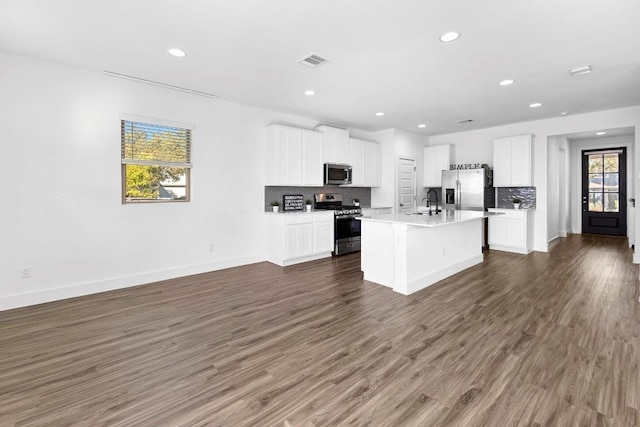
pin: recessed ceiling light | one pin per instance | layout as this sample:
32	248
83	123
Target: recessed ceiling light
309	92
601	133
379	113
578	71
507	82
564	113
535	105
422	125
178	52
449	37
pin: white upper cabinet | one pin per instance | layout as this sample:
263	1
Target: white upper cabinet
357	161
293	157
512	161
373	164
436	159
335	144
365	160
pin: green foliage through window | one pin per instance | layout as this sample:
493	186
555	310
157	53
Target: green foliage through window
155	161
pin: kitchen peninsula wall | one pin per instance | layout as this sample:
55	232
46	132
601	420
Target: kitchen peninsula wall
349	193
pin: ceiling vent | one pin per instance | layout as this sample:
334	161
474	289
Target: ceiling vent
463	121
312	60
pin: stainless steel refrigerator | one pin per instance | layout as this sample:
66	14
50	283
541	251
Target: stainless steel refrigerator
469	189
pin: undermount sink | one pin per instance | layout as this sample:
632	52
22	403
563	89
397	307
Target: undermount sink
424	213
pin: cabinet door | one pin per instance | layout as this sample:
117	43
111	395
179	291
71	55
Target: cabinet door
298	240
497	231
436	159
443	161
373	164
429	179
516	235
521	161
335	144
312	172
294	157
357	161
291	232
323	237
502	162
340	139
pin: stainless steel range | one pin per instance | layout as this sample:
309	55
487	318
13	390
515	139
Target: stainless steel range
346	228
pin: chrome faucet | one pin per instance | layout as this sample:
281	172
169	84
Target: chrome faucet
428	199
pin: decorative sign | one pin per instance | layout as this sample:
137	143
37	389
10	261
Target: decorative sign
293	202
466	166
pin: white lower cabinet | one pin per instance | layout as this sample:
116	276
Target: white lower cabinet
298	240
511	231
323	241
298	237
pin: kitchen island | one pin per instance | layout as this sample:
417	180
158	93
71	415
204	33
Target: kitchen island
408	252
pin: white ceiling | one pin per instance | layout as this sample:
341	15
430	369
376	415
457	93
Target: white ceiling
384	54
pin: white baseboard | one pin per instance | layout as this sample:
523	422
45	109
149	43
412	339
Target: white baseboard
288	262
79	289
420	283
510	249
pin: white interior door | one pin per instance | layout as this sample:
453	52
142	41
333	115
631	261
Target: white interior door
406	185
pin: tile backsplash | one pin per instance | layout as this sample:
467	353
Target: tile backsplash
348	193
506	194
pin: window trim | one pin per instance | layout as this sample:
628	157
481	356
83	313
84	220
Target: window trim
124	162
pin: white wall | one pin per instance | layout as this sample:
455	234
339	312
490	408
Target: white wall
409	145
396	144
477	147
564	195
62	214
558	186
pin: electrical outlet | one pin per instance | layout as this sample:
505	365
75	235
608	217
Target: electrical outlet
26	273
211	247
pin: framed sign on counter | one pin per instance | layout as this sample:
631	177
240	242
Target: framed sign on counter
293	202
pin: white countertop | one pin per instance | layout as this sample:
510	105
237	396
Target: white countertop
446	217
510	209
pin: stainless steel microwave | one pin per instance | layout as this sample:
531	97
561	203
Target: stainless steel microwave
337	174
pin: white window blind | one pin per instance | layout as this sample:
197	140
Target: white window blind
153	144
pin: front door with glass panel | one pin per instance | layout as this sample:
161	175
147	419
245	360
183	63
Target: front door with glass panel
604	183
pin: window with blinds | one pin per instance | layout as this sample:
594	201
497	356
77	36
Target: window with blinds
156	162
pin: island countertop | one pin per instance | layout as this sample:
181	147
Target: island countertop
446	217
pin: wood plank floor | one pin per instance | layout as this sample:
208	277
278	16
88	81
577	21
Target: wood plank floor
540	340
